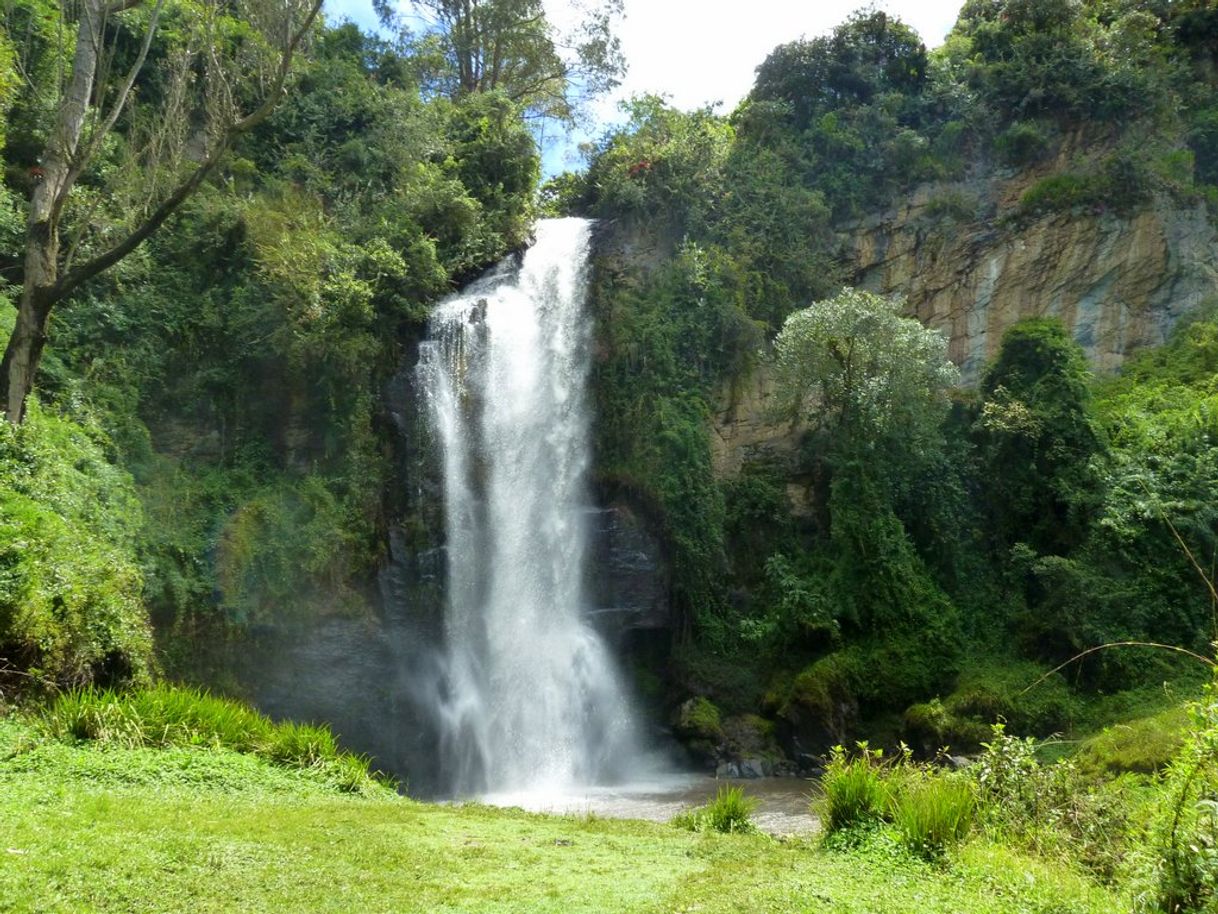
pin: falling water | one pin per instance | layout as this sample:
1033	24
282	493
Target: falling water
531	700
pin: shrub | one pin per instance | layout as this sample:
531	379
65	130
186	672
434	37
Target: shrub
855	790
70	608
992	688
1178	869
1017	793
951	206
933	726
1023	143
731	811
1058	193
1051	809
1122	183
934	812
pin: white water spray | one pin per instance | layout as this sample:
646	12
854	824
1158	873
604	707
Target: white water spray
531	699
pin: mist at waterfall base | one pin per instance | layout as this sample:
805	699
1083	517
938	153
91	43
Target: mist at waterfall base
528	703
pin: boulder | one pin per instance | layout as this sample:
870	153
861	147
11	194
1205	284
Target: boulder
753	768
728	770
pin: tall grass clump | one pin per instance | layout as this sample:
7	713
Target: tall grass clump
855	792
730	812
933	813
164	716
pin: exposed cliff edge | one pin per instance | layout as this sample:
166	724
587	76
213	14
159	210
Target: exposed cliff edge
1119	283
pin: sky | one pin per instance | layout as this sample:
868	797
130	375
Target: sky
704	51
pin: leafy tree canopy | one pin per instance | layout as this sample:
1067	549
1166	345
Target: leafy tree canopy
863	369
512	47
867	56
1037	433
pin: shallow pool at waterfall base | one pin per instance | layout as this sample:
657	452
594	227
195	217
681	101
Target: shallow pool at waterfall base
782	803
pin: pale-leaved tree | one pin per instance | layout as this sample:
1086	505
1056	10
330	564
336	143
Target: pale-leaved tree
855	366
513	47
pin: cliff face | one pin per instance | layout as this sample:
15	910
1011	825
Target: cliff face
968	266
1119	283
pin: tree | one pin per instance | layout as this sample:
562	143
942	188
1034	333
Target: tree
869	55
866	373
1037	439
876	383
219	63
511	46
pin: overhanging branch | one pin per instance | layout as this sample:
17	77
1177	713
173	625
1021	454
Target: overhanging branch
86	271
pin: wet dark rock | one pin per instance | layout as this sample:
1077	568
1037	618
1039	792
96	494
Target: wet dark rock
806	729
727	770
629	585
753	768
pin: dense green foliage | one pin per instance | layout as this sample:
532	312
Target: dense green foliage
70	579
213	445
1181	869
1035	423
1029	522
233	366
210	449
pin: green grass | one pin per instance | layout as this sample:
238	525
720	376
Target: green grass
168	716
1141	746
932	814
200	829
1138	722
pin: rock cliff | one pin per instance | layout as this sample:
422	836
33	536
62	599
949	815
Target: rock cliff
1120	283
970	265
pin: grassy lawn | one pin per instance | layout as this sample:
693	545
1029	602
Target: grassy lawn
198	830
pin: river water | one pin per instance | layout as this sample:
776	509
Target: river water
783	803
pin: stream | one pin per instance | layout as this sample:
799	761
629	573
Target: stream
782	802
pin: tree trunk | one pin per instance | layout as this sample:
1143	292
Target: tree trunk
24	349
64	160
38	291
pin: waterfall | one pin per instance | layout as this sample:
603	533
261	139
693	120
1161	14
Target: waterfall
530	698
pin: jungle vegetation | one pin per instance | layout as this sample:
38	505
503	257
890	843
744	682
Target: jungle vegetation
197	443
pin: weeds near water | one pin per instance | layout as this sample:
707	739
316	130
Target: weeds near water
730	812
933	813
855	790
930	809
